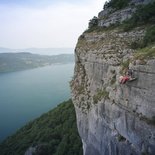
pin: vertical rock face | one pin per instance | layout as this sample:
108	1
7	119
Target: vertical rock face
106	18
113	118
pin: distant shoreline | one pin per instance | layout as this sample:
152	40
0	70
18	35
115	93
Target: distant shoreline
36	67
12	62
40	51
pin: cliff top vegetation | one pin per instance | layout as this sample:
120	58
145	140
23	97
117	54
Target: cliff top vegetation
116	4
143	15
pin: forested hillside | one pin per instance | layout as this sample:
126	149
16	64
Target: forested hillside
21	61
54	133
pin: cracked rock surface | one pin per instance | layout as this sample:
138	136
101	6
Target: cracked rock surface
113	119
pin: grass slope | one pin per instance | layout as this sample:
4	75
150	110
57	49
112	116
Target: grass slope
56	133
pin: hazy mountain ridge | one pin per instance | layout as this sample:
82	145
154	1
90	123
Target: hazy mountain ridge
21	61
42	51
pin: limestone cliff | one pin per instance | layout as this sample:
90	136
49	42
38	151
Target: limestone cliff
114	119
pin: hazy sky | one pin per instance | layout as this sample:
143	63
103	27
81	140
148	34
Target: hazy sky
45	23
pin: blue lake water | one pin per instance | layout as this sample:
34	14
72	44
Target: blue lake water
26	95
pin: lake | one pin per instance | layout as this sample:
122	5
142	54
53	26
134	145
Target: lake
25	95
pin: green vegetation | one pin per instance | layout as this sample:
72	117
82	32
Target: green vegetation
142	54
100	94
121	138
93	22
54	133
92	29
101	29
144	14
116	4
149	36
145	53
124	66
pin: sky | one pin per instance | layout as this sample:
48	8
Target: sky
45	23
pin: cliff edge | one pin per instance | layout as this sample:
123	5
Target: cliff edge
114	118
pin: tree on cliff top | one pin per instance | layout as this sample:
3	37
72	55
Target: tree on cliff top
116	4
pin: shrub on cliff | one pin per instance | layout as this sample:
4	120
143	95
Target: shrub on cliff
54	133
145	53
93	22
116	4
149	36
